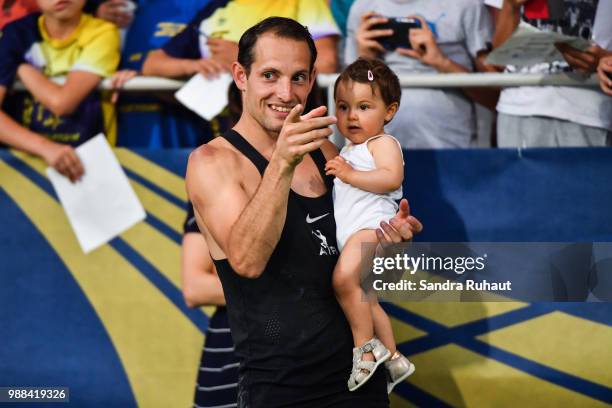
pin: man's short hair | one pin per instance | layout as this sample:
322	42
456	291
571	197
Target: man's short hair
281	27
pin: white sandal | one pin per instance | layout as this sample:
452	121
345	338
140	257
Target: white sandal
364	369
398	370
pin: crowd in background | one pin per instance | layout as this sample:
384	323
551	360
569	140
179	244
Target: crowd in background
177	39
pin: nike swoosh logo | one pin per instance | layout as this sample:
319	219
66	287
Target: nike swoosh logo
311	220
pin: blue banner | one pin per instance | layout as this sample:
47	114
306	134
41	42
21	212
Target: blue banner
112	327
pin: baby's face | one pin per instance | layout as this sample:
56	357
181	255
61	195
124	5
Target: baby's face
361	113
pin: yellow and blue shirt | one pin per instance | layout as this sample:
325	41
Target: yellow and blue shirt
229	19
92	47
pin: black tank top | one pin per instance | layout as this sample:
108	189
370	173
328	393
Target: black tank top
293	341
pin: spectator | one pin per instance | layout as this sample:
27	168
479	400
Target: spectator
556	116
157	120
217	382
451	39
210	43
11	10
62	41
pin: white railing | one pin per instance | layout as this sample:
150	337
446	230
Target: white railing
143	83
498	80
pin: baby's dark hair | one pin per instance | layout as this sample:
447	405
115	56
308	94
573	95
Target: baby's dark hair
381	77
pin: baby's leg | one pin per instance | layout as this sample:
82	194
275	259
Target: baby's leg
382	325
346	281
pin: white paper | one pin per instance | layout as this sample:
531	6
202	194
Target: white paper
206	97
529	46
102	204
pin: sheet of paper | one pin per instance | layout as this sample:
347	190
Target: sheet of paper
206	97
102	204
529	46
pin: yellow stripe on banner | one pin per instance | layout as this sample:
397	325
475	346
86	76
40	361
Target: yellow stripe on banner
454	313
150	171
463	378
160	251
162	209
158	346
577	346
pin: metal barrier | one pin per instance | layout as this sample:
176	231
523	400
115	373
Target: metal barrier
471	80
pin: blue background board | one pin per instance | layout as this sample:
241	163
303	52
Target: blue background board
51	334
45	318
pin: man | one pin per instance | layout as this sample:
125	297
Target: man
60	41
261	195
556	116
452	39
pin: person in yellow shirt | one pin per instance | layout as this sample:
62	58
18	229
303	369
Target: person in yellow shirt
53	118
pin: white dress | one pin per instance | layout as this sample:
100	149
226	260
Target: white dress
356	209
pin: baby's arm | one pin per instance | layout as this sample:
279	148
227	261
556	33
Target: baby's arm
387	176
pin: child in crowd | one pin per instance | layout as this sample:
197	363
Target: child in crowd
369	172
50	119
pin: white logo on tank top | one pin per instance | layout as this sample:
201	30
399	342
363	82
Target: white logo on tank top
311	220
325	249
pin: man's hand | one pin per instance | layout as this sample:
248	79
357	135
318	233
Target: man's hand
340	168
119	12
223	52
400	228
64	159
367	44
302	134
604	71
584	61
424	46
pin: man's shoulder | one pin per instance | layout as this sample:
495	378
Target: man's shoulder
215	157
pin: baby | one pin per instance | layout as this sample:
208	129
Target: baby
369	173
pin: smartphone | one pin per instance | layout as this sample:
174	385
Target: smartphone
401	27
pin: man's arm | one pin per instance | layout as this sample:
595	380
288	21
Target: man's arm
59	99
201	285
248	229
63	158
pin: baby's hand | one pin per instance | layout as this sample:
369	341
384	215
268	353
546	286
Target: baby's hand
339	167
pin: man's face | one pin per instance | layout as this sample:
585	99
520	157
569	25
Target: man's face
61	9
280	78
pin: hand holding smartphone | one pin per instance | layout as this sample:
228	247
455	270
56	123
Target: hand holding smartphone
401	26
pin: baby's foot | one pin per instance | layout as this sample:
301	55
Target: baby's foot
398	369
365	361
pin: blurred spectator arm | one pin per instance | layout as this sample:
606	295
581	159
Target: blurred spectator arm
118	12
425	49
98	58
59	99
159	63
508	19
327	54
62	157
604	71
200	283
362	40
